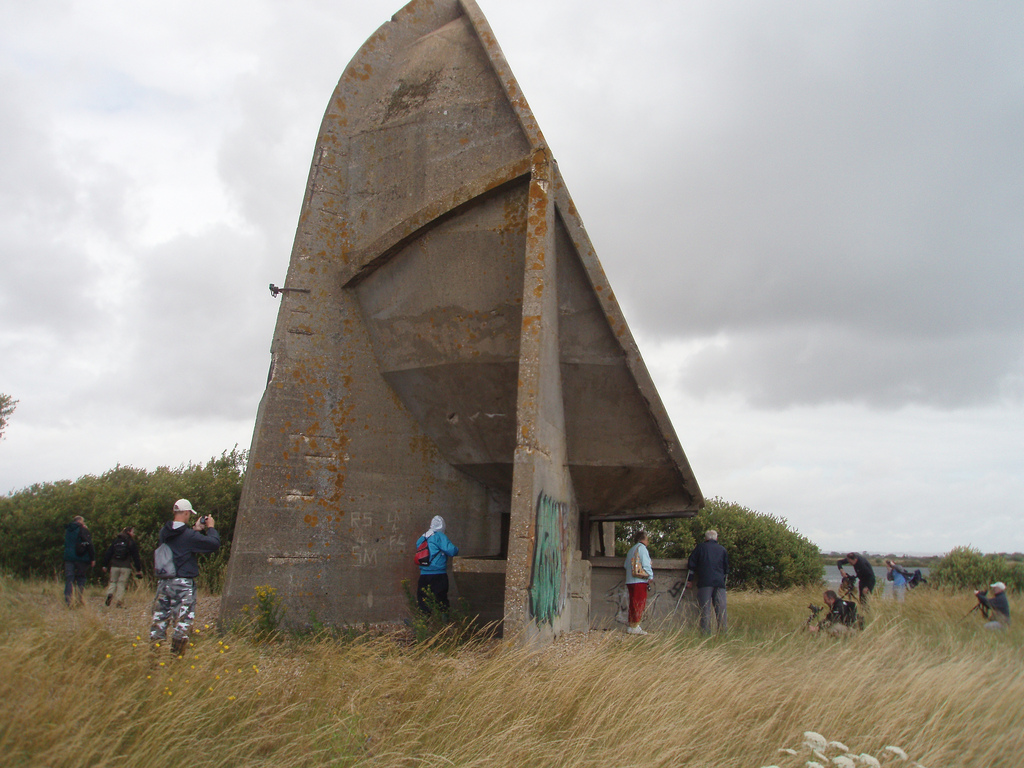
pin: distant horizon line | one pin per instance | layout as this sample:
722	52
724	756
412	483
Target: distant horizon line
906	553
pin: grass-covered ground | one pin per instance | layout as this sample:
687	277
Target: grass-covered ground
81	688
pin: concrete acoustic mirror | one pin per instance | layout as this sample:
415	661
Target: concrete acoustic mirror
447	344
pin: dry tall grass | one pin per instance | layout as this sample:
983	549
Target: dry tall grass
77	690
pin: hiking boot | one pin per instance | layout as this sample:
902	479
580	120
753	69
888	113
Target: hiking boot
635	631
179	645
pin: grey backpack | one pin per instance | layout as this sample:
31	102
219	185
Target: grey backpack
163	561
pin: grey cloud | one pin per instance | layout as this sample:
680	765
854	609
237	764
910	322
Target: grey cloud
855	171
808	365
200	328
47	210
263	160
47	287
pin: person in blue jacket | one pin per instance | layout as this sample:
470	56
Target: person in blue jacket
638	581
899	576
434	575
79	557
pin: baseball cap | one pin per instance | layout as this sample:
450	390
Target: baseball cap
998	585
183	505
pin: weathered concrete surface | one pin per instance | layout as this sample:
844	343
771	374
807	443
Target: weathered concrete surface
668	605
598	592
453	348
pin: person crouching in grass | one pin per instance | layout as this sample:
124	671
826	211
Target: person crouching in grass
995	606
841	616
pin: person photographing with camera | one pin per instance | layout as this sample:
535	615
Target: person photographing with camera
864	572
177	571
841	616
994	606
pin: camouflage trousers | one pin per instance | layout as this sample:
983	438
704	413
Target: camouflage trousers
175	601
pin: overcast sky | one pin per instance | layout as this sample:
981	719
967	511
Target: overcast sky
811	212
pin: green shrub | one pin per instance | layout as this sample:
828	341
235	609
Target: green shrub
967	568
764	553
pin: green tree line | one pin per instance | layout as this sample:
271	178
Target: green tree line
764	553
32	520
967	568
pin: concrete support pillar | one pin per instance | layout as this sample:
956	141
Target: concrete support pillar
543	538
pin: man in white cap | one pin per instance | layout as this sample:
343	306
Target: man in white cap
176	595
434	573
996	604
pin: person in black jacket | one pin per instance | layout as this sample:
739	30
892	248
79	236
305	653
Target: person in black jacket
119	558
176	596
841	616
864	571
710	563
995	606
79	557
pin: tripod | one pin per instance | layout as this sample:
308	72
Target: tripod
984	611
686	580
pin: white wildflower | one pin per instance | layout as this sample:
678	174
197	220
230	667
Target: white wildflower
787	751
838	745
896	751
819	755
815	740
868	760
843	762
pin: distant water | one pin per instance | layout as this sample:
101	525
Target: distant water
832	578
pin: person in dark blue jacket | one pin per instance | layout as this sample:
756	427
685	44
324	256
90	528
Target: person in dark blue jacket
176	596
434	575
710	563
79	557
995	606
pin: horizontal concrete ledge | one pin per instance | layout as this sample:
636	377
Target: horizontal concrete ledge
293	559
640	515
660	564
497	565
478	565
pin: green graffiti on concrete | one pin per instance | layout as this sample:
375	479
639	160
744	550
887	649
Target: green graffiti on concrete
548	583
